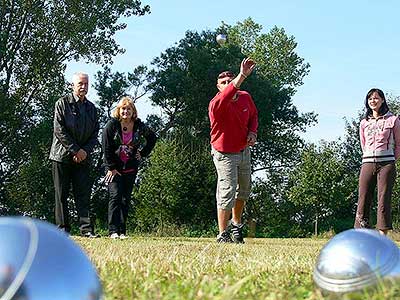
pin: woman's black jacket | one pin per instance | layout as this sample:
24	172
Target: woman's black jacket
143	139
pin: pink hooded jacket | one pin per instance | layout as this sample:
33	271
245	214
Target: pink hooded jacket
380	138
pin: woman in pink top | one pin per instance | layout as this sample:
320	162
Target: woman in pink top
380	143
126	139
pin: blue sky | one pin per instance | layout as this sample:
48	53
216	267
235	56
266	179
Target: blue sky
351	45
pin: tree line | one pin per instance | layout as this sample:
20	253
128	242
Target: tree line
299	188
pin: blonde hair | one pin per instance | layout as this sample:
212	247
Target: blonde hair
124	102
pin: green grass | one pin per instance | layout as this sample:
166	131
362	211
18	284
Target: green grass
190	268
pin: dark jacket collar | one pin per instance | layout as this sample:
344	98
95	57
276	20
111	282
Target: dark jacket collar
74	99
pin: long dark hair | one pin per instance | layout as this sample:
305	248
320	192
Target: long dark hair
384	107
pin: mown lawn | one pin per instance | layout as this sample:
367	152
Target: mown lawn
190	268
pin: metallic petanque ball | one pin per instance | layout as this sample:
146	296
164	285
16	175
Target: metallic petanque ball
39	262
221	38
355	260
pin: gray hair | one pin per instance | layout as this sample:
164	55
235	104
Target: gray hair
77	75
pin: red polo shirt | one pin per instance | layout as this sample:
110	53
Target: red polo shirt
232	120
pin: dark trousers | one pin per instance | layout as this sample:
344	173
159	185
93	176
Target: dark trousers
382	174
78	175
120	190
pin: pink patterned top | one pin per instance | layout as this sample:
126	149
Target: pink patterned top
125	149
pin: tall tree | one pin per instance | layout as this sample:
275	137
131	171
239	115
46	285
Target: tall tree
185	79
177	187
280	70
319	189
111	87
394	105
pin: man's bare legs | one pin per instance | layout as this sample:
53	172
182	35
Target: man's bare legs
223	218
224	215
237	211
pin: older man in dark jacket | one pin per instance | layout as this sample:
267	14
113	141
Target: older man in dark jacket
75	135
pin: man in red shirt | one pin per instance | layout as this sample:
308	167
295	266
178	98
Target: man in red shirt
234	121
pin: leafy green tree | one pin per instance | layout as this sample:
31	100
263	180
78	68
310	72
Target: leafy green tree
176	188
111	87
274	52
37	39
318	188
394	105
279	72
185	79
267	211
351	153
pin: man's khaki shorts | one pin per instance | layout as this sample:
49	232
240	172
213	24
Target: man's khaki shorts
234	177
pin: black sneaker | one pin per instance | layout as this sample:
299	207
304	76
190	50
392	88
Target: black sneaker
224	237
237	233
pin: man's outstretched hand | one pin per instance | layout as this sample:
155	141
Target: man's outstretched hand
247	66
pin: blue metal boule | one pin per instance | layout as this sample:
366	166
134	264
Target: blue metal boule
355	260
39	262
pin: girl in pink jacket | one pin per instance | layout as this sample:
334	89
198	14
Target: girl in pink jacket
380	143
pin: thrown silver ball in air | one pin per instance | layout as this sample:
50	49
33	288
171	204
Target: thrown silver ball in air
221	38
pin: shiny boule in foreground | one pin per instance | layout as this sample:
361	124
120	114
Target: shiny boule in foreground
39	262
356	259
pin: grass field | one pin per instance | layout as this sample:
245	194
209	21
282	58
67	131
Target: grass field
190	268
